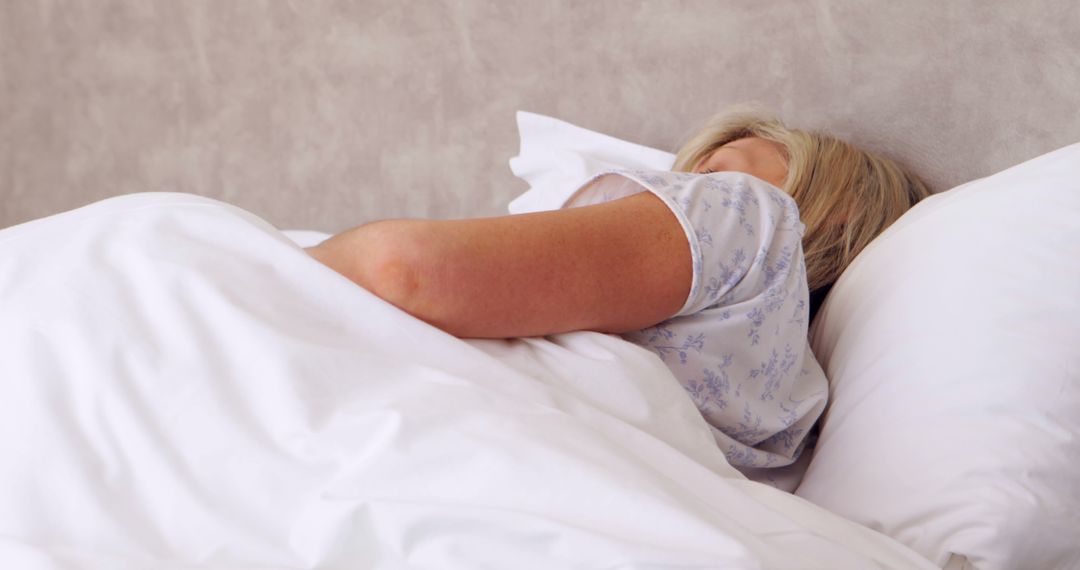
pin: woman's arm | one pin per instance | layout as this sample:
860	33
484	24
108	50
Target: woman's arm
613	267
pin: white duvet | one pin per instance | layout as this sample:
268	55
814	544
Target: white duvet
181	386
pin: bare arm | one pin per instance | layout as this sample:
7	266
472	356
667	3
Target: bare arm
613	267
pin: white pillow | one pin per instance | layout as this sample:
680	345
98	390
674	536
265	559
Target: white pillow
952	344
556	158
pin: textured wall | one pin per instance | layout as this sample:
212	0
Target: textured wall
326	114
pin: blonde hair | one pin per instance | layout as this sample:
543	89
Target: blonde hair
846	196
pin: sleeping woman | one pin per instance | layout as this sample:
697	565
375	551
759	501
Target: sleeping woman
717	267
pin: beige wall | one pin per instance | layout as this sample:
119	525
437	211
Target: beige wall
326	114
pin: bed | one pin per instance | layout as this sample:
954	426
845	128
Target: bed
182	386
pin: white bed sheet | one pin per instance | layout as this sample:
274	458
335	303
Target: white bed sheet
181	386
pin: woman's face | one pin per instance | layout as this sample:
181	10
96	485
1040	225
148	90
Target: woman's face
755	156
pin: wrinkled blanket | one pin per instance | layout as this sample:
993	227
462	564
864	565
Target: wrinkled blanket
182	386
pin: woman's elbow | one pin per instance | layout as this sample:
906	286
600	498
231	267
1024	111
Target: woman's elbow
384	257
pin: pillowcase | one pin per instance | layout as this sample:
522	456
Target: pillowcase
556	158
952	345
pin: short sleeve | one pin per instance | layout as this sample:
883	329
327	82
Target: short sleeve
741	230
738	346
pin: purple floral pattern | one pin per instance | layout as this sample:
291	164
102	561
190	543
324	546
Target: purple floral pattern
739	344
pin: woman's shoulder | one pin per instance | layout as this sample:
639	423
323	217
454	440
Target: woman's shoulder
744	189
718	199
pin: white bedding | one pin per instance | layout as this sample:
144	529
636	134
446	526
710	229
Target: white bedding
180	385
